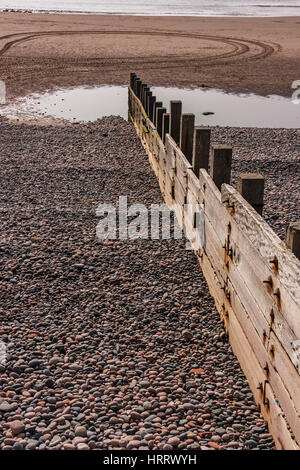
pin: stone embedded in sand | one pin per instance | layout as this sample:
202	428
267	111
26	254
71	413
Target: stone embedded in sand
16	427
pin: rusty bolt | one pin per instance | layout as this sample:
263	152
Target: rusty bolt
266	369
277	293
267	403
274	261
272	317
264	336
269	281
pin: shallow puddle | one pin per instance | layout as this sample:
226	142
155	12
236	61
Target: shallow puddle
211	107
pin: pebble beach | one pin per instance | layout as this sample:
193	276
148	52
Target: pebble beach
117	344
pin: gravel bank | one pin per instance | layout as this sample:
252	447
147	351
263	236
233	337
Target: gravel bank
102	338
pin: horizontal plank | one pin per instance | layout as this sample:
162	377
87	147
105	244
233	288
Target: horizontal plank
253	372
268	245
246	263
193	184
254	326
276	422
249	364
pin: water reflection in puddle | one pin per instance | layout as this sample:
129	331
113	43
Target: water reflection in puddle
89	104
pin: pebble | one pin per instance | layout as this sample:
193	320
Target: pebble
17	427
80	431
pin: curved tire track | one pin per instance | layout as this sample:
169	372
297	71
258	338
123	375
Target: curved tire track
238	47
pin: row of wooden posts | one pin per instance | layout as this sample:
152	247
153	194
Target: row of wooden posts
195	143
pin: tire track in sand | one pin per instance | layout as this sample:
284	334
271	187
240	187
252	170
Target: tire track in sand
241	49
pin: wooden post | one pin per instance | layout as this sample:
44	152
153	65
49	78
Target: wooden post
220	164
145	97
148	96
138	86
165	126
159	119
293	238
175	112
157	104
151	107
251	186
201	149
187	135
134	84
144	85
132	77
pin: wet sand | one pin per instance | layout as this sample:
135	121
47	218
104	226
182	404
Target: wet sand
45	51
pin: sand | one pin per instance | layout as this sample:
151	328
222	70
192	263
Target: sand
46	51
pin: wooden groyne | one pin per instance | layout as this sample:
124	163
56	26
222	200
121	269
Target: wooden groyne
253	276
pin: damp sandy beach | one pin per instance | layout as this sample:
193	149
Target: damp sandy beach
46	51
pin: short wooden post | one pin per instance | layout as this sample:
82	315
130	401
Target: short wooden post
148	95
145	97
293	238
151	107
220	164
138	86
175	117
159	119
132	77
201	149
144	85
187	135
134	84
251	186
157	104
165	126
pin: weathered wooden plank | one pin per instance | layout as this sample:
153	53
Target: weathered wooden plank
170	156
180	192
182	165
272	252
193	183
286	393
216	253
276	422
249	363
251	367
245	258
288	374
